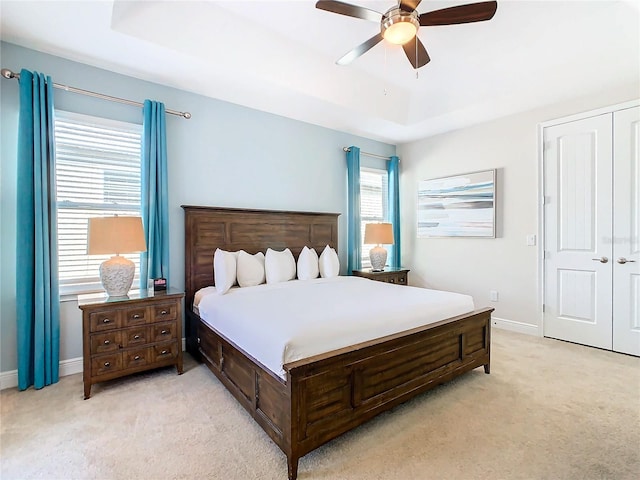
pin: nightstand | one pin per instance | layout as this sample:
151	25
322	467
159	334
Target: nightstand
125	335
389	275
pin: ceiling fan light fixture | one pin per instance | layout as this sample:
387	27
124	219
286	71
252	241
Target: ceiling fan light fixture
399	27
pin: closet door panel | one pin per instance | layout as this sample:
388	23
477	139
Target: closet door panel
578	224
626	231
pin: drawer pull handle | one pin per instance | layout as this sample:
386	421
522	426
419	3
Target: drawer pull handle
164	352
136	316
106	320
107	342
137	357
107	364
136	337
163	312
164	332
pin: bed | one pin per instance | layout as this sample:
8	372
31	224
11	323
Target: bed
317	398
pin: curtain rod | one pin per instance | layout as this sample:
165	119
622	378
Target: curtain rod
347	149
6	73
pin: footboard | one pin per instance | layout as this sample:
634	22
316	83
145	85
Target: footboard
330	394
333	393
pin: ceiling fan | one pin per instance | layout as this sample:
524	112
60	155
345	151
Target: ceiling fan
399	25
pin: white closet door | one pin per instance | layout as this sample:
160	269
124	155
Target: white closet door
626	232
578	231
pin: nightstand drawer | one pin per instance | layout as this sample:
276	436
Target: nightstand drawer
106	364
164	351
164	312
106	342
134	316
136	358
104	320
399	279
135	336
163	332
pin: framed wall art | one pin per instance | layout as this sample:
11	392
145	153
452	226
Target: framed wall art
458	206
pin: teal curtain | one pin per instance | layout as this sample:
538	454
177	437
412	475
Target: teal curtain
37	296
154	263
393	169
354	235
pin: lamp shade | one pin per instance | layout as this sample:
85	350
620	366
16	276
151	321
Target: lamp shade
115	235
378	234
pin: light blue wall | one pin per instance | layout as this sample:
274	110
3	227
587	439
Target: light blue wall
225	155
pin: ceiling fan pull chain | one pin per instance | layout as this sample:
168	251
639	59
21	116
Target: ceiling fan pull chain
385	70
416	42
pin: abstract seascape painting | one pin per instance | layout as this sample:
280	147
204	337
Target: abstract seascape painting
458	206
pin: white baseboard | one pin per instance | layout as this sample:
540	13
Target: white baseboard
8	379
67	367
514	326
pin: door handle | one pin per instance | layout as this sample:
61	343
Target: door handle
602	259
623	260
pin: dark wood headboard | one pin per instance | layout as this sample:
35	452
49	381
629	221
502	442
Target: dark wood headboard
232	229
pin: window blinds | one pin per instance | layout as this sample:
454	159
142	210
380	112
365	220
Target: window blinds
98	174
373	203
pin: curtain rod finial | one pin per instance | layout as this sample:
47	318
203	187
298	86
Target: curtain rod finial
186	115
6	73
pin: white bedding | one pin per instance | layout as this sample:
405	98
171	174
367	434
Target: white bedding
283	322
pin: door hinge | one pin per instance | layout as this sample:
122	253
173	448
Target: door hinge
543	308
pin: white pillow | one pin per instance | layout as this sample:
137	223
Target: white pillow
279	266
308	264
224	270
329	263
250	269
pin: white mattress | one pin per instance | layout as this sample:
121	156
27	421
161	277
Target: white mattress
289	321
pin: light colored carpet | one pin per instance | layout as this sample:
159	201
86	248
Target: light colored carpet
549	410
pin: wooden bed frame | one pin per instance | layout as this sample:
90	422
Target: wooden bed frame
329	394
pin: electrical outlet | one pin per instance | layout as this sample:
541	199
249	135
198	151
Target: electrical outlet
531	240
493	295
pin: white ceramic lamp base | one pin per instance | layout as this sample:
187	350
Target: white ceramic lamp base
378	256
117	275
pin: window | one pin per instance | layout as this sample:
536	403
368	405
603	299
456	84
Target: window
98	174
373	203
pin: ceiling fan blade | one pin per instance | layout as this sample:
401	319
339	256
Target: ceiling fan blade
474	12
359	50
349	10
416	53
409	5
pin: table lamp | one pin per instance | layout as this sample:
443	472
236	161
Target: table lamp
378	234
116	235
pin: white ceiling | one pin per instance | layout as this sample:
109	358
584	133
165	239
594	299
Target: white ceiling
279	56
